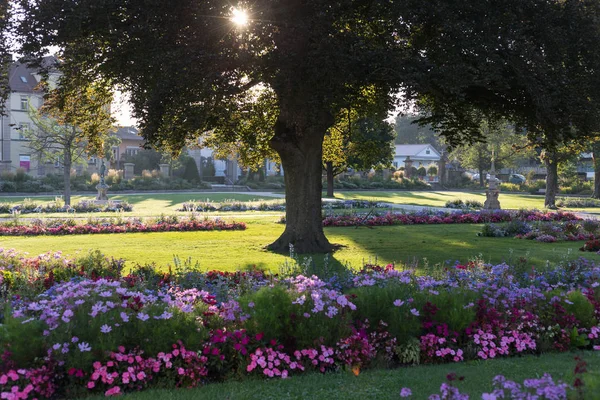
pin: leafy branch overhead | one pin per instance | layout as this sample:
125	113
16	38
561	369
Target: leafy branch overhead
190	70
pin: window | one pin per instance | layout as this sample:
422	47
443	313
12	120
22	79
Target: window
132	151
395	164
24	103
427	151
23	79
115	152
23	128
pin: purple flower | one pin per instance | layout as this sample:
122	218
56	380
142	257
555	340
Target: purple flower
84	346
405	392
105	328
398	303
142	316
414	312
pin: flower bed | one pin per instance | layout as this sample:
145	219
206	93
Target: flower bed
30	207
426	217
124	227
269	206
111	335
548	231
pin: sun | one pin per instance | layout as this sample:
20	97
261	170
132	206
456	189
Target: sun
239	17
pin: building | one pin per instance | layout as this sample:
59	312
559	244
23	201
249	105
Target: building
14	152
420	154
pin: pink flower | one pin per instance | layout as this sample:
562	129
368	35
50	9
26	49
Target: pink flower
114	391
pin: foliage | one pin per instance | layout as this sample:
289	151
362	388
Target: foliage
81	329
317	63
57	227
70	127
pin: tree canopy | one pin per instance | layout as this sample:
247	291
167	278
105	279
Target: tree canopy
186	64
5	57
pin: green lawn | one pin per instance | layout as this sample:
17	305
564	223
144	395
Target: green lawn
235	249
386	384
439	199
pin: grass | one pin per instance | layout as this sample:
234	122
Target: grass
237	249
386	384
439	199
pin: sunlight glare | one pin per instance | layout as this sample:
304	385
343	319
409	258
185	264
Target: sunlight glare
239	17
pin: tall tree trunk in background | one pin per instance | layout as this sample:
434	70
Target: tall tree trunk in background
67	176
481	176
596	163
301	159
551	163
329	168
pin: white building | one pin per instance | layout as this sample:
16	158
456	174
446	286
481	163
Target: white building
420	154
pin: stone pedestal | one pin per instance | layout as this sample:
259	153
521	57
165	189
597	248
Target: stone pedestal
128	171
164	170
491	201
102	196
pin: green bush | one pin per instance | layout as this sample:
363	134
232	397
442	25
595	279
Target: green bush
581	308
375	303
274	314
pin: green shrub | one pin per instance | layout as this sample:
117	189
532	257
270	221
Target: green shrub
274	314
581	308
375	303
455	308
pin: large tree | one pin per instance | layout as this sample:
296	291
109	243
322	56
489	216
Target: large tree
185	63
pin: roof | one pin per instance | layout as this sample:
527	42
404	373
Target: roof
129	133
21	78
414	149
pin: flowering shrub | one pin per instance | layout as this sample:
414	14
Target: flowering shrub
119	334
84	206
427	217
126	227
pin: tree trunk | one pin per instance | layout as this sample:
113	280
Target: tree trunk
481	177
329	166
301	153
67	177
596	162
551	180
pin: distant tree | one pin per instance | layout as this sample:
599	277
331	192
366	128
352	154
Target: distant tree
68	129
5	56
357	142
499	138
408	131
190	169
595	147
